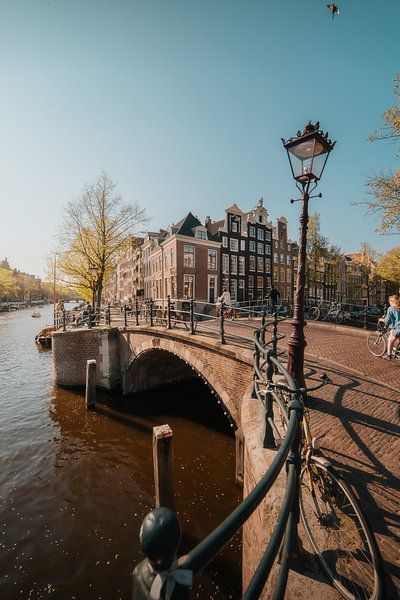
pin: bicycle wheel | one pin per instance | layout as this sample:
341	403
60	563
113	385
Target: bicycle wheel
339	533
313	313
376	343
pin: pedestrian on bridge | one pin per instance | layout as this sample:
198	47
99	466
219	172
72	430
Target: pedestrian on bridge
392	320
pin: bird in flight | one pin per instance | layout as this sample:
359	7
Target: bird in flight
333	9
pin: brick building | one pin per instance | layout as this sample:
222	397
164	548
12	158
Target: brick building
182	262
282	260
245	264
126	280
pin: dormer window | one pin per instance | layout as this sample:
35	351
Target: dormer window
235	224
200	233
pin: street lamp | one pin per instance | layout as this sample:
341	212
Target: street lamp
307	153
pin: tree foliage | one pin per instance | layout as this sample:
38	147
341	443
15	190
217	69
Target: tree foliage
384	190
95	232
320	252
388	266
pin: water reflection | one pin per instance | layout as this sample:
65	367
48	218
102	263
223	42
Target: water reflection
74	486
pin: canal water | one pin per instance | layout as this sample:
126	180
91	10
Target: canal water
75	486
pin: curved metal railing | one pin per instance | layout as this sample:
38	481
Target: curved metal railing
162	573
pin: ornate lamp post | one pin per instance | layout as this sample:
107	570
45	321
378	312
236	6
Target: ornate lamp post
307	153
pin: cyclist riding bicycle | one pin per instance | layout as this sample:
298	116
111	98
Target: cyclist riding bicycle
392	320
224	298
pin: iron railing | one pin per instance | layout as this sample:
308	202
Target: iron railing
162	575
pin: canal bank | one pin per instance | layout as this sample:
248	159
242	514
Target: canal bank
74	487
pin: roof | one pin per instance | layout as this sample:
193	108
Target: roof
188	224
214	226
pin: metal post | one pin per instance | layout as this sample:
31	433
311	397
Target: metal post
163	466
137	311
294	457
263	321
125	315
256	360
191	309
275	333
365	317
221	323
169	312
64	322
90	392
109	313
151	313
90	318
297	342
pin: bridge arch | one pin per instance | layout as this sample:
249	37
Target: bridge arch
153	366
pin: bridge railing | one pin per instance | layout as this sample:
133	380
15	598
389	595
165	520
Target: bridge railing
162	575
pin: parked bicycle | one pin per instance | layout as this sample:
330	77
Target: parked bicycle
377	342
333	520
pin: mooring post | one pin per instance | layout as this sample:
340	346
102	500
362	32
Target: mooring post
90	393
239	457
137	311
163	466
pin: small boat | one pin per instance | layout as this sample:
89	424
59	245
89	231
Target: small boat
44	337
36	314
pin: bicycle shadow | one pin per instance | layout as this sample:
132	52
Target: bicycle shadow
364	467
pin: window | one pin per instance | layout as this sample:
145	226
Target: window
288	276
251	281
267	265
268	235
234	225
224	241
252	263
234	264
234	290
260	248
242	269
289	247
234	245
288	261
282	244
172	261
252	246
275	257
282	259
212	260
267	249
276	278
242	245
201	234
260	234
260	219
225	263
260	264
241	284
188	256
282	275
268	282
260	283
212	289
275	243
252	231
188	286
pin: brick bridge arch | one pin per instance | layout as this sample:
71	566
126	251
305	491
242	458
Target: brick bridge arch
150	359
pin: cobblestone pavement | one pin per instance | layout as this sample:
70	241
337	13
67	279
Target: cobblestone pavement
358	421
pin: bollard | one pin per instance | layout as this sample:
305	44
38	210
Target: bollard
191	313
64	322
151	312
125	315
90	393
366	317
163	466
109	314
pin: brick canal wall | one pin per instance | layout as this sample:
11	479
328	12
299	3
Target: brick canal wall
146	358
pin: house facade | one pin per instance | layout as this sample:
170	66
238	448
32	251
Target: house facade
282	260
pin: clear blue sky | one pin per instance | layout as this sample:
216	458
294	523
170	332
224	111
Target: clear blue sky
183	103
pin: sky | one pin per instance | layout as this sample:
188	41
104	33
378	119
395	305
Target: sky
183	103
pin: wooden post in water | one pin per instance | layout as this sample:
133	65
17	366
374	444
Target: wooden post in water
239	457
163	466
90	393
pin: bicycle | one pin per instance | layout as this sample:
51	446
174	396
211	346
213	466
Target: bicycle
333	520
314	312
335	313
181	316
377	342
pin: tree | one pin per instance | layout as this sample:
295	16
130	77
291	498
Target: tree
95	232
8	284
384	190
368	267
388	266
